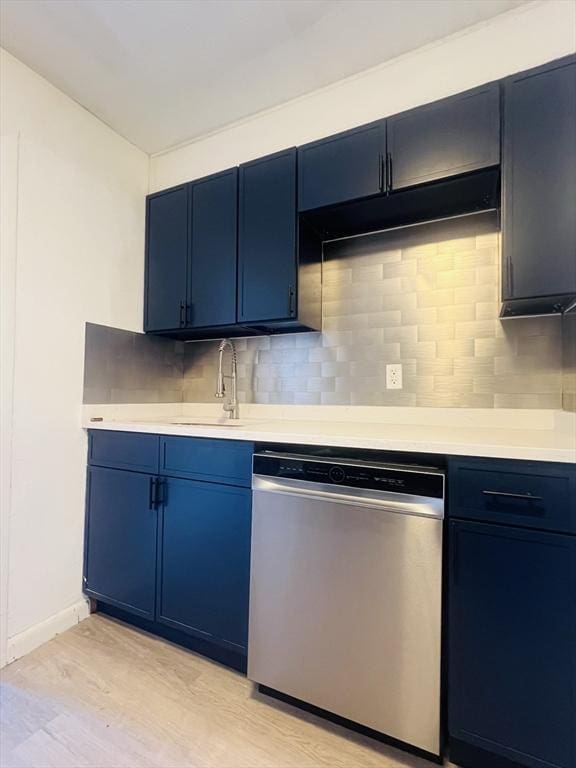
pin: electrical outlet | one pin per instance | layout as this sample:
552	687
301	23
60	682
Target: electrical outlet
394	376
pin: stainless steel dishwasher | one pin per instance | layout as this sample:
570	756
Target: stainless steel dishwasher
345	590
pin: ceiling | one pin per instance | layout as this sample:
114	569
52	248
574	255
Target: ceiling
162	72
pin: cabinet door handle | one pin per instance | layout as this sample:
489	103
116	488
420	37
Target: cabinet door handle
152	493
505	494
160	492
388	171
381	173
182	313
291	301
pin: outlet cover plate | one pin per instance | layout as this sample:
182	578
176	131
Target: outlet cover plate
394	376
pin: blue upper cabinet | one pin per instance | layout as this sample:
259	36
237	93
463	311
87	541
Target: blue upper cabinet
191	256
348	166
240	252
166	259
539	189
212	274
447	138
267	266
226	256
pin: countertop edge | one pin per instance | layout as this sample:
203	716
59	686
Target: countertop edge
480	450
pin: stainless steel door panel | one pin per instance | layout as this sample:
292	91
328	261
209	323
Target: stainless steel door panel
345	609
401	503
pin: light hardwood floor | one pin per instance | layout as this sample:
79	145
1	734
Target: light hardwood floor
107	696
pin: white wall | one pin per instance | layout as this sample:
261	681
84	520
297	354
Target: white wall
518	40
8	220
72	252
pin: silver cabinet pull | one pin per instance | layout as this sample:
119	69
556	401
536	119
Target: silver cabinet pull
523	496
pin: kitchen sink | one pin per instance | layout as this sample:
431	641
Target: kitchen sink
207	423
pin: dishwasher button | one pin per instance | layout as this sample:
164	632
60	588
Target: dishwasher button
337	474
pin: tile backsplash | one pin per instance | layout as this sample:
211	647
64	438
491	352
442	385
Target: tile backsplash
127	367
569	362
424	296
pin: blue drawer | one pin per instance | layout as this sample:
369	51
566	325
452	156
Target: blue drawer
528	494
214	461
123	450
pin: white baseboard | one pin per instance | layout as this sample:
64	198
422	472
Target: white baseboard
24	642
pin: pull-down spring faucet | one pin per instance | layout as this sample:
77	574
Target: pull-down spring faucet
231	407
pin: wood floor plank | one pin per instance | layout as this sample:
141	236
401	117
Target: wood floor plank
104	695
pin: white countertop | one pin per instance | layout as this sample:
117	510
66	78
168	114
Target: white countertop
499	433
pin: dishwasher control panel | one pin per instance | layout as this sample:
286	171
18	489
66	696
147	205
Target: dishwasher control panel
406	479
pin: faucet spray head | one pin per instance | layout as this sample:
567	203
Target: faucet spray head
220	388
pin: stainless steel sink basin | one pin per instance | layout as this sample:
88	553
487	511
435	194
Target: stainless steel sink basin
207	423
183	421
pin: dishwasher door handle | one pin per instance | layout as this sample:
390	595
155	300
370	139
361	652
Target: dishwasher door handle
385	501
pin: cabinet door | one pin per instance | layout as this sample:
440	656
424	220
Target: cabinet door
267	244
213	257
539	183
344	167
166	259
120	545
447	138
204	563
512	666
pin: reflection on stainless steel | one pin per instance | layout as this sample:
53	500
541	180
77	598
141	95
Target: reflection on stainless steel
400	503
346	602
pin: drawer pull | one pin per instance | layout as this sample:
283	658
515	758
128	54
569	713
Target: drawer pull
523	496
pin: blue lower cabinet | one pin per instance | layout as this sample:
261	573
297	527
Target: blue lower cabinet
168	548
120	539
212	461
123	450
204	560
512	646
